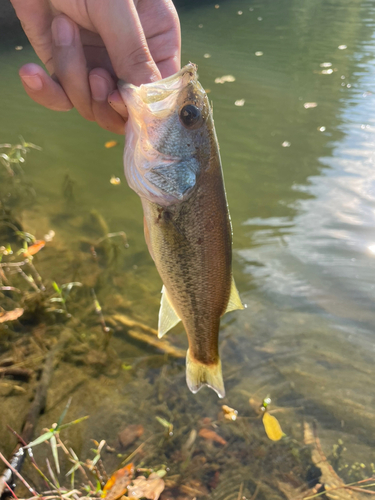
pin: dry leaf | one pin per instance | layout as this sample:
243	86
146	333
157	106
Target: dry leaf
117	485
150	488
130	434
11	315
212	436
35	248
272	427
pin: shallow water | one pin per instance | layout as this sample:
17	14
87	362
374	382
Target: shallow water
301	190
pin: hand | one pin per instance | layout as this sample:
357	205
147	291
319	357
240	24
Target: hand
87	45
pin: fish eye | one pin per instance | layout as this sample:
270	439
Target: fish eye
190	116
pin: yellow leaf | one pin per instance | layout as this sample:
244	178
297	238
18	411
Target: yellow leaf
272	427
110	144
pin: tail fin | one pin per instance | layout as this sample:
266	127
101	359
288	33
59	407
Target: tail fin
198	374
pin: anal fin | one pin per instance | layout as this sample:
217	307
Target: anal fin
168	317
234	301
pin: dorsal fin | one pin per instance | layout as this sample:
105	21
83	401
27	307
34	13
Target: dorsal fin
168	317
234	299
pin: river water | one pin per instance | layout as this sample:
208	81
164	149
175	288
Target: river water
298	160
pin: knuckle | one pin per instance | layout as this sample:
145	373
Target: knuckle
140	55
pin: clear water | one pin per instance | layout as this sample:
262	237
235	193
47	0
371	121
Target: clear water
301	190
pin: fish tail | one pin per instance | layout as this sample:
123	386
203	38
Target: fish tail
199	374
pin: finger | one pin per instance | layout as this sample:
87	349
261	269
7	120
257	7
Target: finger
36	18
70	64
101	85
115	100
120	28
43	89
164	36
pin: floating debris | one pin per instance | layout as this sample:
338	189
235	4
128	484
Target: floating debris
49	236
342	77
259	53
239	102
18	47
348	86
326	65
217	6
110	144
240	12
321	129
206	56
286	144
260	18
207	91
200	25
115	180
251	9
326	71
225	78
342	47
229	413
11	315
309	105
211	435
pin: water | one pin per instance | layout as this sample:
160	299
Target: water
301	190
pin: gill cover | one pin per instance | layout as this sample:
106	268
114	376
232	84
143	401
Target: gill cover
162	134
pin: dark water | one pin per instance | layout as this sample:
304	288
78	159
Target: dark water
301	190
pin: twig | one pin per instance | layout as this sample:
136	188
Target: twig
163	345
16	473
125	320
19	373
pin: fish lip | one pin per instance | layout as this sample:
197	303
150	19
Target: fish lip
157	91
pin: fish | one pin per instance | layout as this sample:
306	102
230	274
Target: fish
172	162
35	248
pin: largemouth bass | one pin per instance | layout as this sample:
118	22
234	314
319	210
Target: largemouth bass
172	162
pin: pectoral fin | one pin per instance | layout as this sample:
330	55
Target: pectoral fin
168	317
234	299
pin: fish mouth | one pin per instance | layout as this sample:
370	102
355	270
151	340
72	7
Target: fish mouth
153	94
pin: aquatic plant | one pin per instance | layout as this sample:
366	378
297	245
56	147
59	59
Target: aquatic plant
15	155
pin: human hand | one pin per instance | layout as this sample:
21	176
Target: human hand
87	45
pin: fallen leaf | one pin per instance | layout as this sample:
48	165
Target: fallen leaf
11	315
150	488
117	485
211	435
110	144
130	434
35	248
272	427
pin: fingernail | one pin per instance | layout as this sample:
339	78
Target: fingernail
33	82
63	32
99	88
